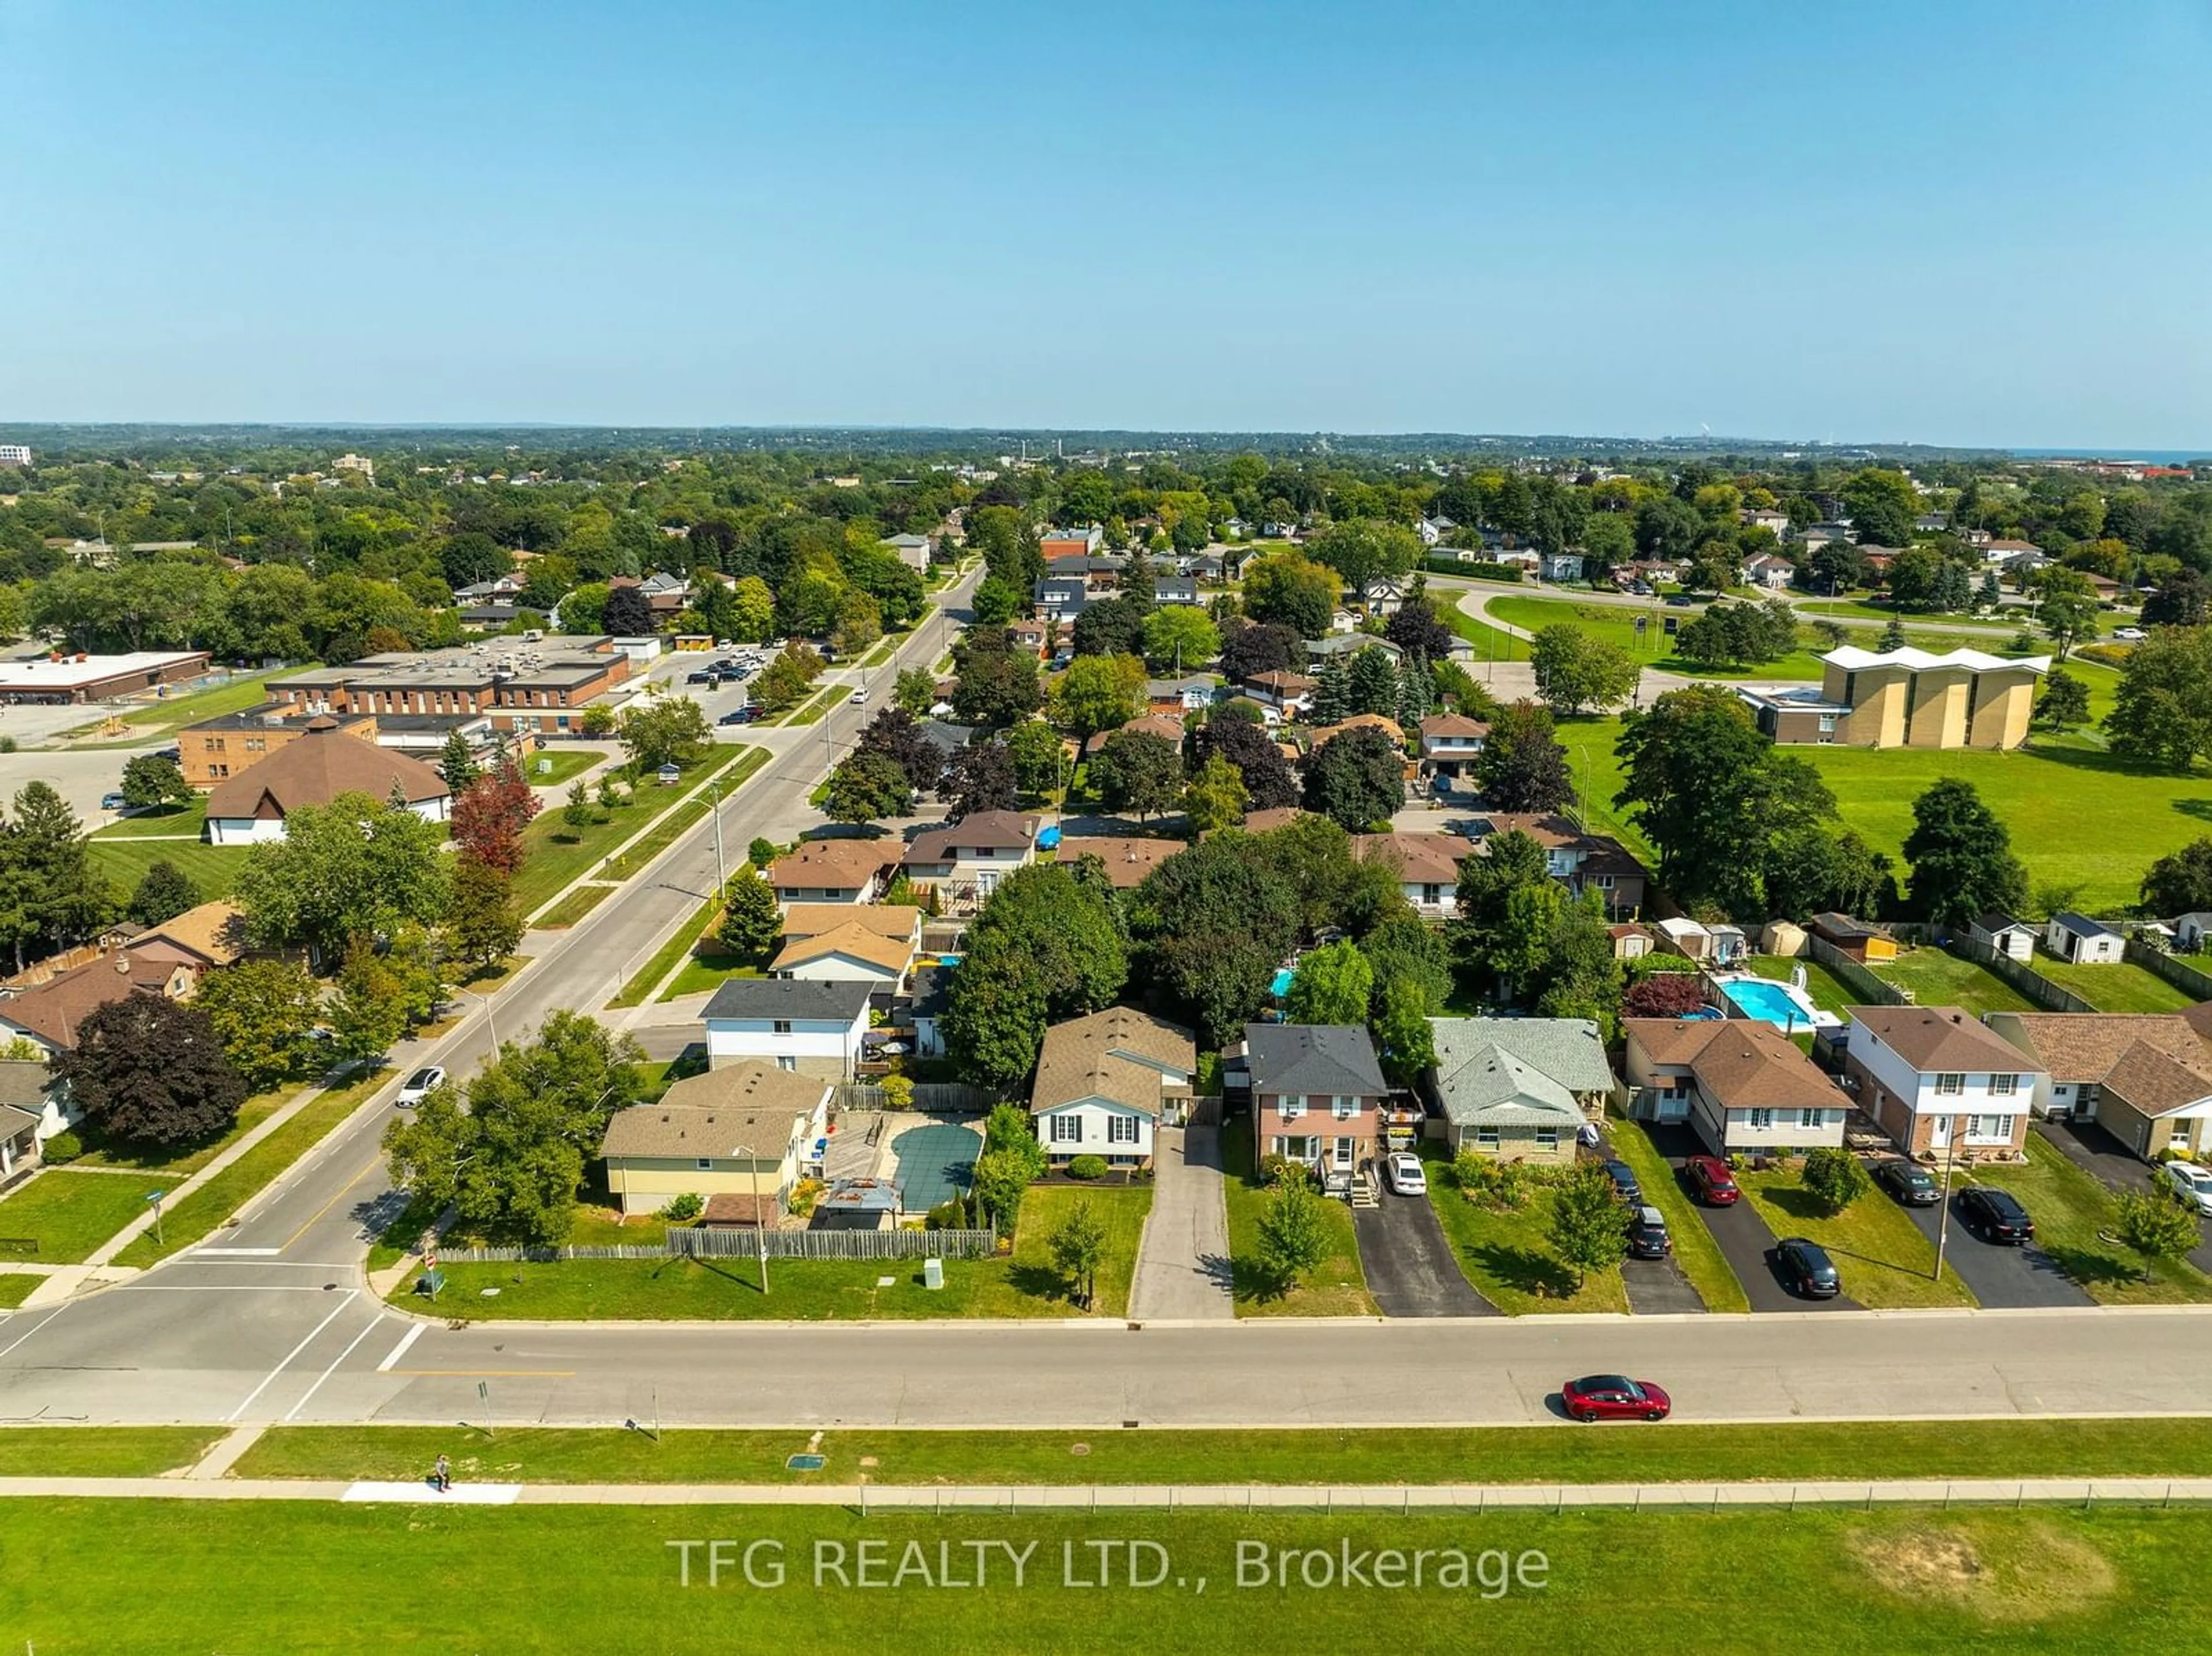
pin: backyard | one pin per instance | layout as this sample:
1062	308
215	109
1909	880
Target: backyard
2121	986
1337	1287
1938	978
213	870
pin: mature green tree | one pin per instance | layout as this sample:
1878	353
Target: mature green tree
1404	1037
1331	702
1364	551
456	763
2162	714
51	896
2183	599
1356	777
1810	871
995	601
2064	702
369	1012
354	868
263	1010
1269	784
1577	673
2180	883
1045	947
867	787
1098	693
1039	760
752	619
1738	634
1293	591
1589	1227
1215	798
1293	1237
1960	856
1406	946
1714	795
1836	1177
147	1070
1137	770
1078	1248
1113	627
2157	1226
1581	976
914	691
1522	767
981	777
1213	923
483	923
996	685
1179	639
1332	985
149	782
162	893
751	920
2067	607
668	729
1249	648
1371	685
1882	505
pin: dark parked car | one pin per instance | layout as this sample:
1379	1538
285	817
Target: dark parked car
1623	1183
1614	1397
704	676
1647	1235
1711	1179
1909	1182
1807	1269
1996	1214
737	716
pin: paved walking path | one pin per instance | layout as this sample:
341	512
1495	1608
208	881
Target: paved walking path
1084	1497
1183	1265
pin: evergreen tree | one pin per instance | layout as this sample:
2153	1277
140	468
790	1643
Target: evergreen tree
1417	688
1331	703
1373	683
457	764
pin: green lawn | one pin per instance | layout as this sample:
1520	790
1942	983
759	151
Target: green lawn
70	1214
1025	1284
709	969
1829	993
281	1576
2072	1210
555	854
1335	1288
1883	1258
1615	624
579	902
102	1451
1695	1250
192	1158
204	1210
686	938
1939	977
240	695
177	821
17	1286
1418	1455
1507	1257
213	870
566	762
2123	986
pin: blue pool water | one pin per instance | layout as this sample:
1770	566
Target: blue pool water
1769	1002
1280	985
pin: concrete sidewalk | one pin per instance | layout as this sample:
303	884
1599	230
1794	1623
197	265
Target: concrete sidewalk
1084	1497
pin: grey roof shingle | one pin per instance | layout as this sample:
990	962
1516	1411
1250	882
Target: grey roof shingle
815	999
1566	1050
1313	1057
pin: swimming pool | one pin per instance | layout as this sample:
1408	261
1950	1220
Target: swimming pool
1777	1003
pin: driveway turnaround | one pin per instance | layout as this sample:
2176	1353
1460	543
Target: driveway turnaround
1410	1268
2003	1279
1657	1287
1183	1268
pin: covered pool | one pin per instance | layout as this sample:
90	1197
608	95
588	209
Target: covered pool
935	1163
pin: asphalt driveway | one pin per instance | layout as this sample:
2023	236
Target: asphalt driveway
2003	1279
1657	1287
1745	1240
2096	1151
1410	1268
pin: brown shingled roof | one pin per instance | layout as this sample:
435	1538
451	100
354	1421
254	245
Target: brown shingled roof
1117	1055
1127	859
1420	859
834	864
313	770
54	1010
1941	1040
2078	1046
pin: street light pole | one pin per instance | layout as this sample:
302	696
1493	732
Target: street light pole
721	876
1944	1218
760	1230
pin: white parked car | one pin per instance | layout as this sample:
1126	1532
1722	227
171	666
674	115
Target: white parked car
2129	634
417	1086
1403	1173
860	698
2188	1181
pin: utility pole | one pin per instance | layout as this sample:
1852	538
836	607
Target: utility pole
722	875
1943	1217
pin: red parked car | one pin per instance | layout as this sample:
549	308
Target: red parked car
1711	1179
1614	1397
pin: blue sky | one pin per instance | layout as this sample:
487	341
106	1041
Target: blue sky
1962	223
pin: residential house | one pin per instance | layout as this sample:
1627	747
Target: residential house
851	952
1426	865
1856	938
48	1015
913	550
1348	644
2145	1077
1743	1084
1770	570
1176	589
200	940
1105	1082
1289	693
1061	597
1938	1082
1126	859
968	858
1166	726
743	1131
1450	743
2014	939
1581	862
833	871
1317	1094
1032	637
32	1111
2007	552
899	922
2078	938
1775	523
810	1027
1431	530
252	804
1520	1090
1563	565
1178	696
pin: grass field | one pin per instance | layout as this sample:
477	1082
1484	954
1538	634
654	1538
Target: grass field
213	870
1879	1253
190	1159
17	1286
70	1214
2073	1210
177	821
2122	986
1508	1256
205	1209
814	1290
241	692
1335	1288
1938	978
1615	624
556	854
566	762
1419	1455
102	1451
1695	1250
281	1576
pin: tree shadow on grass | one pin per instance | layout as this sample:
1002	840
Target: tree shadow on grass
1040	1282
1797	1202
2092	1269
1525	1271
1253	1283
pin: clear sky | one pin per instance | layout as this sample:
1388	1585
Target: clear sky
1971	222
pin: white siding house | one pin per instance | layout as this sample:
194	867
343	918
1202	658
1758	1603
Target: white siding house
811	1028
1939	1083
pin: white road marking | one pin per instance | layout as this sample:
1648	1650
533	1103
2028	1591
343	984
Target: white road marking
19	1339
351	1296
234	1253
306	1396
399	1350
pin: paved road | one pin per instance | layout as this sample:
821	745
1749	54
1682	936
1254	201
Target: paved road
1183	1269
1409	1265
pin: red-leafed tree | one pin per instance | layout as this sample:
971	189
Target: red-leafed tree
1663	995
490	814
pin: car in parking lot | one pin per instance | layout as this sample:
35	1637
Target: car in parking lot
737	716
1614	1397
114	802
1807	1269
1912	1185
703	676
1709	1178
2192	1183
1996	1215
1647	1235
1402	1173
418	1086
1623	1183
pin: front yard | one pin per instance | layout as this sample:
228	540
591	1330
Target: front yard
68	1215
2073	1212
1695	1250
1335	1288
1883	1259
1507	1255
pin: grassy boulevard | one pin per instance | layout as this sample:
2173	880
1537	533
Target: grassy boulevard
272	1576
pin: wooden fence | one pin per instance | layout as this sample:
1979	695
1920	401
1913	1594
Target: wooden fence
933	1097
719	1242
2190	979
1874	991
2051	996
